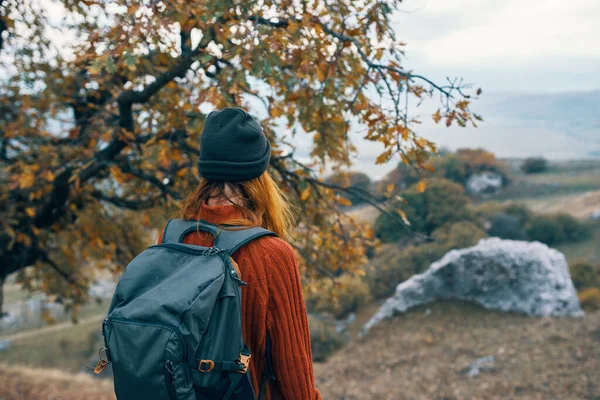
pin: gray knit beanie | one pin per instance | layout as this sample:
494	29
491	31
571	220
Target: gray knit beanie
233	147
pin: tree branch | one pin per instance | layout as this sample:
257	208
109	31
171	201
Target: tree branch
3	26
127	203
283	23
46	259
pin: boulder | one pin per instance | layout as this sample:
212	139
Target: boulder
505	275
484	183
483	364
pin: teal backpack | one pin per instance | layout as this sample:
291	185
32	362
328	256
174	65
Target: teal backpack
174	326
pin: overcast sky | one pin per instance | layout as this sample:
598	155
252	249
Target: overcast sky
499	45
505	45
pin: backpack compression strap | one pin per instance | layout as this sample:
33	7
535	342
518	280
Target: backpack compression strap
226	239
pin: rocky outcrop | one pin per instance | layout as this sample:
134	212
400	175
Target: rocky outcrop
504	275
484	183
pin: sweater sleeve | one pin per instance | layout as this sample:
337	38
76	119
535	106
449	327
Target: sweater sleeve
287	323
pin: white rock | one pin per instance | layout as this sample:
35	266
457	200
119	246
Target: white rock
595	215
505	275
484	182
483	364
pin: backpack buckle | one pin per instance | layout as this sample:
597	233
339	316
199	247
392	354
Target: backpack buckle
244	362
206	365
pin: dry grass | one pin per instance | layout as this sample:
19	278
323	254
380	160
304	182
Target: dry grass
23	383
424	355
365	213
580	205
420	355
64	346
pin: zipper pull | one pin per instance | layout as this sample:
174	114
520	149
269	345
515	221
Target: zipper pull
235	276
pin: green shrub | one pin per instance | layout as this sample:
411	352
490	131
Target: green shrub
521	212
590	299
457	167
506	227
451	167
485	211
534	165
388	270
324	337
458	235
585	275
339	298
442	202
393	265
557	228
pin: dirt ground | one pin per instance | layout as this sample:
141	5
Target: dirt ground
425	354
24	383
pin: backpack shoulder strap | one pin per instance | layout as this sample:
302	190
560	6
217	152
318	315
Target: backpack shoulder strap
227	239
232	240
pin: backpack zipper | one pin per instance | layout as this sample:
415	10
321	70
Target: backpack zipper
169	380
206	251
171	328
209	251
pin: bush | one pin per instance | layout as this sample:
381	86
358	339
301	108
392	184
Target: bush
479	160
557	228
457	167
585	275
324	337
459	235
590	299
452	167
506	227
393	265
442	202
520	212
534	165
339	298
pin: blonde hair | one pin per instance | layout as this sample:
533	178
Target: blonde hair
264	203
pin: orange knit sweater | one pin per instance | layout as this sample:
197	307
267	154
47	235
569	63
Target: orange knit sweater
273	301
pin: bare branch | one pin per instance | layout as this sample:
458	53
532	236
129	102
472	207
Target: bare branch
137	204
46	259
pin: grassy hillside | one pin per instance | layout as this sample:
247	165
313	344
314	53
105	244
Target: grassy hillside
64	346
425	354
421	355
24	383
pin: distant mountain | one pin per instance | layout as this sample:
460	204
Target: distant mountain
558	126
577	114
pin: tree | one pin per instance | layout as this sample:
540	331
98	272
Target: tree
110	119
457	167
358	186
443	202
534	165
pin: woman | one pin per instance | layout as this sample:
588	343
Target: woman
237	189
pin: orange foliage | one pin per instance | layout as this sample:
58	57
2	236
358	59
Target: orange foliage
112	121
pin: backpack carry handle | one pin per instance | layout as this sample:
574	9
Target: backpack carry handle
226	239
177	229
